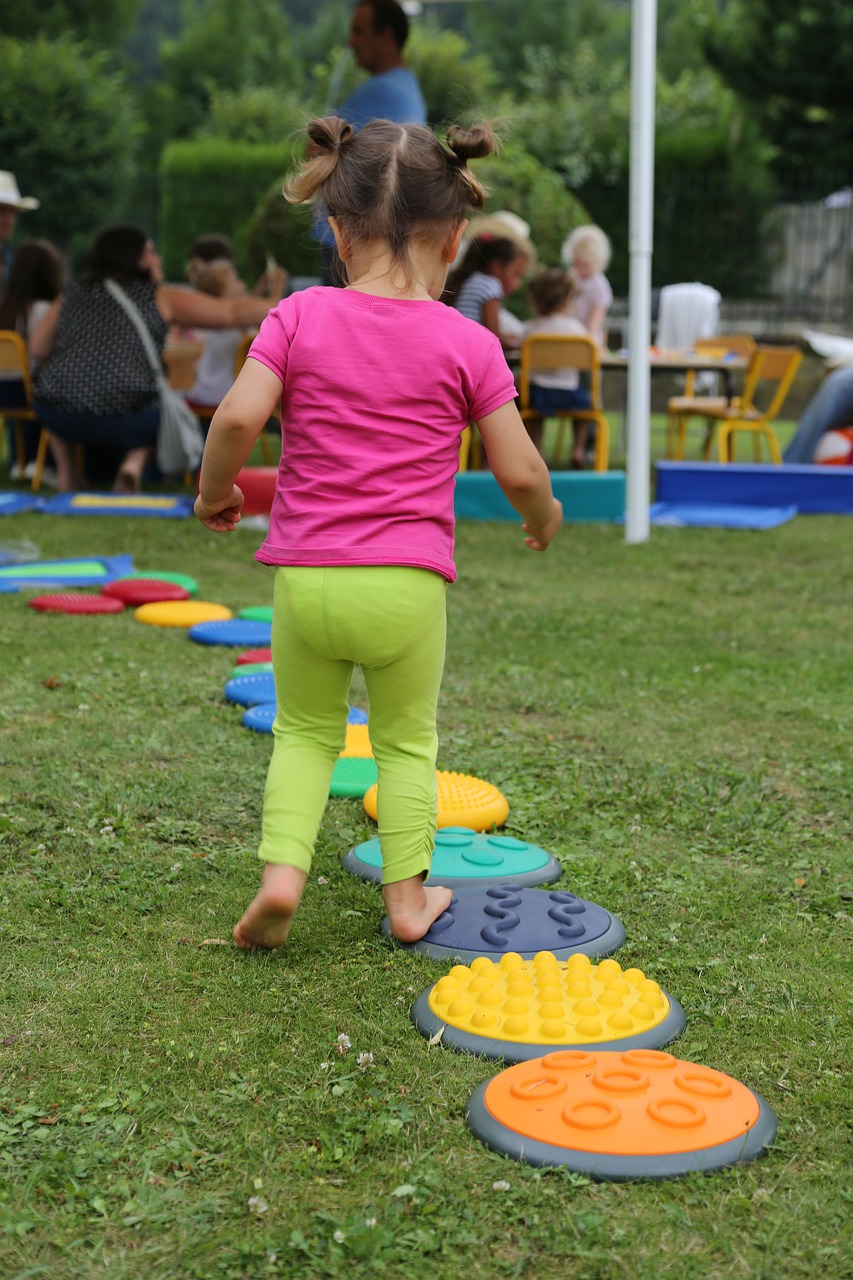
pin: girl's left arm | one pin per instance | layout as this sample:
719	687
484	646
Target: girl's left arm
236	425
42	337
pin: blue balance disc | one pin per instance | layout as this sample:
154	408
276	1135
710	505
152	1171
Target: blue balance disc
463	859
241	633
490	922
251	690
260	716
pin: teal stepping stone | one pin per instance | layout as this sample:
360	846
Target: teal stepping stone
463	858
351	776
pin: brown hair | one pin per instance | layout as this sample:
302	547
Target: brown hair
480	255
550	291
391	182
210	277
34	276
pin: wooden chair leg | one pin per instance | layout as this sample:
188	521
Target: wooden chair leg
41	454
464	448
602	443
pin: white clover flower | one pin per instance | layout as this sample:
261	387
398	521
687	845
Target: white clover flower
257	1204
370	1222
325	1066
322	879
344	1044
500	1185
364	1060
339	1237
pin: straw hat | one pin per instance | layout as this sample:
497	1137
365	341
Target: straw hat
11	196
507	226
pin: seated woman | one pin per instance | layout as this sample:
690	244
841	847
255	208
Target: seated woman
33	283
96	386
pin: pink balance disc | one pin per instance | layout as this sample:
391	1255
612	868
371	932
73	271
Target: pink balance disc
136	591
254	655
69	602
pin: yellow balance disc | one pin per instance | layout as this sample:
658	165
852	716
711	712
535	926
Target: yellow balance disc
357	743
545	1001
181	613
463	801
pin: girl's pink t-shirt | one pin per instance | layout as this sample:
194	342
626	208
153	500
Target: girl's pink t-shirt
376	394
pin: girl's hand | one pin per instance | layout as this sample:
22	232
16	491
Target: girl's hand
541	537
221	517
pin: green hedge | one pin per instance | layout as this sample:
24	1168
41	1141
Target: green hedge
212	184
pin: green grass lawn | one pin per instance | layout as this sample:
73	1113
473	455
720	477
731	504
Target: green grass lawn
672	721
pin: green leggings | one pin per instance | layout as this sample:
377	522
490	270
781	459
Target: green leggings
391	621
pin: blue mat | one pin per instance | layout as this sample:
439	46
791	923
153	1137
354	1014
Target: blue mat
718	515
170	506
83	571
585	495
812	490
11	504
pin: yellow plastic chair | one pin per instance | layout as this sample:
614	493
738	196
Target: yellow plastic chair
546	353
682	407
768	380
14	360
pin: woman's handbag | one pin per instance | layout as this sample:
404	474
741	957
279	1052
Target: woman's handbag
180	440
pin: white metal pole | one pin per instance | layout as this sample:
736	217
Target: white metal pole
642	176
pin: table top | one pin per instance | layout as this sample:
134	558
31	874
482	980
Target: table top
718	360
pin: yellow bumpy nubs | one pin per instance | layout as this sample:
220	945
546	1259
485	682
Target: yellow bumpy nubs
546	1000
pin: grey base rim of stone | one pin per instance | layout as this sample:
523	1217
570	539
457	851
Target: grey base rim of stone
549	873
510	1051
612	1168
597	948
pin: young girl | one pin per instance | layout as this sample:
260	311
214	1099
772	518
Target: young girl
586	252
377	382
492	267
551	293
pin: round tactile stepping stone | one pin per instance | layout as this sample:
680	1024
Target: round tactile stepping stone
463	858
182	613
249	669
234	631
261	716
352	775
463	801
257	613
621	1116
357	742
138	591
254	655
516	1009
74	602
179	579
491	922
251	690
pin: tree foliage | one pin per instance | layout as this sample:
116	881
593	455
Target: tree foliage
76	156
792	59
105	23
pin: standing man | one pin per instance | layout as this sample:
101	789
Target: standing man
378	31
11	201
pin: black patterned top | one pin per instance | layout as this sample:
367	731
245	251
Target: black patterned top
98	363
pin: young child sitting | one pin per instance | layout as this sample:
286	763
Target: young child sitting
551	294
586	253
215	373
491	269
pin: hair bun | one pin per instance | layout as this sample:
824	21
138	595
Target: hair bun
468	144
328	132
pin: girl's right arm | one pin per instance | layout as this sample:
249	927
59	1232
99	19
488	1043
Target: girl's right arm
521	473
236	425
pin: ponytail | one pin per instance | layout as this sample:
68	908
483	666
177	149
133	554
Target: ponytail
326	136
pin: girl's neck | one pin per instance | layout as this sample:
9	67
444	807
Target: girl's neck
376	272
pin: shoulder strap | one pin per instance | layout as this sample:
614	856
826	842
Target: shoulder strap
138	323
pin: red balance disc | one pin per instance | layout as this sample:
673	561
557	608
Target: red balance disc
69	602
254	655
136	591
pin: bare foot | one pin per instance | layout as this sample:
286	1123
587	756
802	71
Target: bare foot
412	908
266	922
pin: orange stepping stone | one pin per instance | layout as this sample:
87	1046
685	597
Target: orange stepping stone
620	1116
463	801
